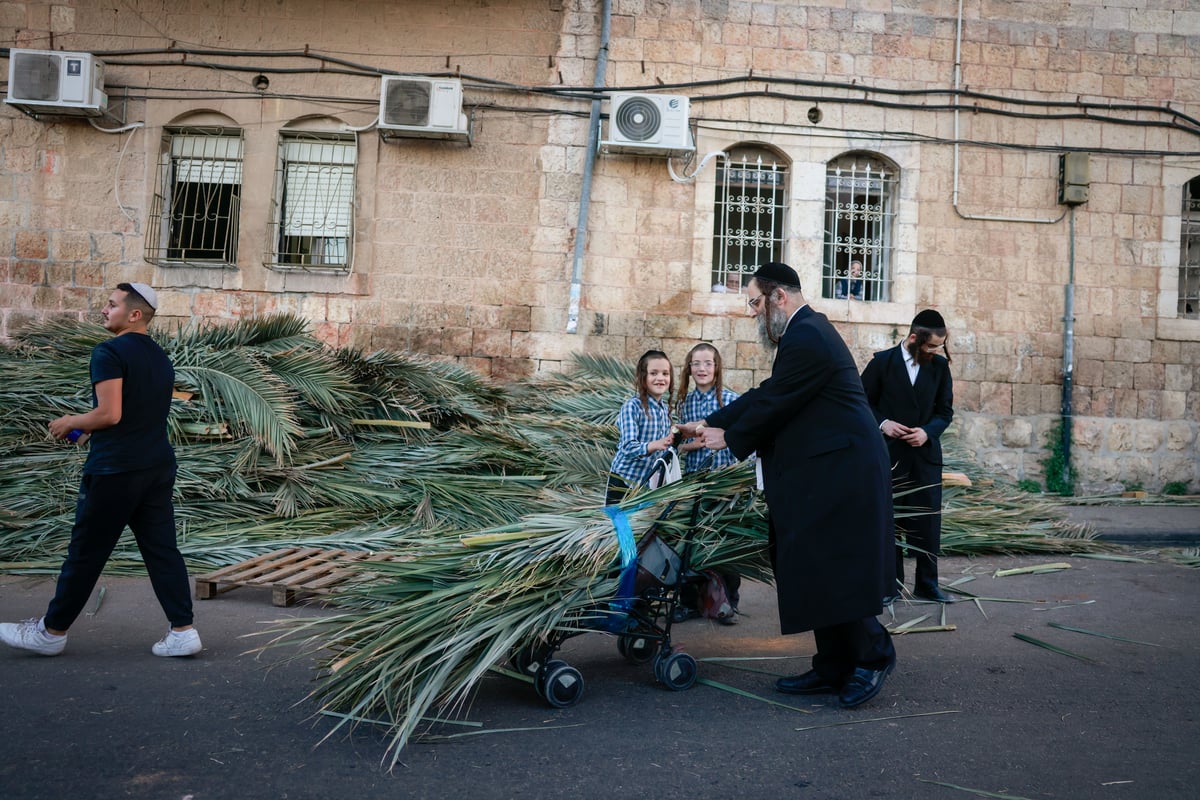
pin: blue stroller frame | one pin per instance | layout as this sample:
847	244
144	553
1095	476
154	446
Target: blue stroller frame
652	578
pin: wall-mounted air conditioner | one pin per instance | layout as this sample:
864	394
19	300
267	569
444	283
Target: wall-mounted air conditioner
56	83
648	125
429	108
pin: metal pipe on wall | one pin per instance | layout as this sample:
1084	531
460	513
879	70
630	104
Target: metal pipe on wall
1068	353
589	164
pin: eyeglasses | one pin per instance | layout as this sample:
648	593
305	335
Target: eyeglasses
932	348
701	364
754	302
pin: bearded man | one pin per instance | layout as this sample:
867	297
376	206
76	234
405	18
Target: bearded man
912	394
827	482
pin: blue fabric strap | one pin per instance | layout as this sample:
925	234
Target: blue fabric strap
628	548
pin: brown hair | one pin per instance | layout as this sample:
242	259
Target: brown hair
135	300
641	378
685	375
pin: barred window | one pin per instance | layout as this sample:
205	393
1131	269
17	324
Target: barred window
1189	252
194	213
311	219
751	211
860	191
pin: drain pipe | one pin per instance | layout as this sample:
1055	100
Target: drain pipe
589	164
1068	352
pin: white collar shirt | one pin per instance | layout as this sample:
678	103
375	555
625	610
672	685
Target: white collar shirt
910	364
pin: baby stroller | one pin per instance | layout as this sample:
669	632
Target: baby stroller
640	617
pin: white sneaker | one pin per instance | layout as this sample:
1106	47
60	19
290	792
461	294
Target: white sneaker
178	643
31	635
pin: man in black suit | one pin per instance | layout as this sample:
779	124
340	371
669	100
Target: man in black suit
827	481
912	395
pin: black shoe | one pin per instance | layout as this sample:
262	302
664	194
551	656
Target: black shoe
931	591
808	683
863	685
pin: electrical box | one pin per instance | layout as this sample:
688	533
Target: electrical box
1073	178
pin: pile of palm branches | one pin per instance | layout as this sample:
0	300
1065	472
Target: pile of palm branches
491	494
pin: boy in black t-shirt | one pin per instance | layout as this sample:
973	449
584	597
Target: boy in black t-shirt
128	479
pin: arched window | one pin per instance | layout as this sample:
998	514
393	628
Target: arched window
1189	252
312	214
194	213
860	190
750	208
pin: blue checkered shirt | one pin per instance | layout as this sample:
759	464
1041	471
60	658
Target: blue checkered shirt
696	406
637	429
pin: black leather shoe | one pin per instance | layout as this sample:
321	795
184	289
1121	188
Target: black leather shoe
863	685
932	592
808	683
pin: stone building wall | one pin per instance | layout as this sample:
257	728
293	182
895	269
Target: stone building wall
465	252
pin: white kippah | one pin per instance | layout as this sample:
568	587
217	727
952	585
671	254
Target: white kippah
147	294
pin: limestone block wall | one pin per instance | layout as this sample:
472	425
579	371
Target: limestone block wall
466	252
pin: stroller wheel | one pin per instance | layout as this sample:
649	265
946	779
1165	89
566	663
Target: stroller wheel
529	658
676	671
559	683
636	649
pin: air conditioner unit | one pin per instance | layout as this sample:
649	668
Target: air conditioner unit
429	108
648	125
56	83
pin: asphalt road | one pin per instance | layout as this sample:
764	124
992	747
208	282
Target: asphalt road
970	709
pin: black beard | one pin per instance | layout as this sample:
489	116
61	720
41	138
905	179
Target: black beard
919	355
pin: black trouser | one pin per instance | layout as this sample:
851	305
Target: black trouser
847	646
617	489
106	504
922	531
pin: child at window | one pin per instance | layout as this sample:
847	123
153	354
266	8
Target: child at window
852	286
644	423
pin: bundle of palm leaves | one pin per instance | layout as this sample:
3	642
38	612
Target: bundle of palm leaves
492	494
422	632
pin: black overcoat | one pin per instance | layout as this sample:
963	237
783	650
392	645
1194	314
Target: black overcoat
826	478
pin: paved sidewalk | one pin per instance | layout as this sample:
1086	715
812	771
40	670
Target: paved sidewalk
1142	523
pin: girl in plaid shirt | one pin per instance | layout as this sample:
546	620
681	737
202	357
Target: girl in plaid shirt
644	424
703	365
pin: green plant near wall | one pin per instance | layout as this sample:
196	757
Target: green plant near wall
1175	488
1052	465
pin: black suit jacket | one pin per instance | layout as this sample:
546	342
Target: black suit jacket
928	404
825	474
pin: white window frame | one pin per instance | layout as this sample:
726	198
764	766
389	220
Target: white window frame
751	208
311	221
194	215
861	201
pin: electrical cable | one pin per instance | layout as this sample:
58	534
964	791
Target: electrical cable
133	129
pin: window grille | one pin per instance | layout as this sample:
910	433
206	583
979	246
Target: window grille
194	213
860	194
1189	252
311	221
751	213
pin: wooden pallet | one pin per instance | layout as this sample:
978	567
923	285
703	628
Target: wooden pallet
290	573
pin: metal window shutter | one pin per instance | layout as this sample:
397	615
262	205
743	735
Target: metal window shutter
207	159
319	187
